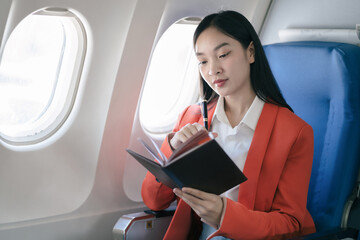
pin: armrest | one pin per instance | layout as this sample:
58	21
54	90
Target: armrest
143	225
332	234
162	213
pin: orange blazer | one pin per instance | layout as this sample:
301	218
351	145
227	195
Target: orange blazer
272	202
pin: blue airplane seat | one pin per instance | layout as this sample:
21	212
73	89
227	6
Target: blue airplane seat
321	82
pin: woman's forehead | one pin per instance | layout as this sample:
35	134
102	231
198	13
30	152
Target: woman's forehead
211	39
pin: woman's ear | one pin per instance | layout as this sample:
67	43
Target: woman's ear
251	52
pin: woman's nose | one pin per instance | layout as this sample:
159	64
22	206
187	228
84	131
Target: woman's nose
214	69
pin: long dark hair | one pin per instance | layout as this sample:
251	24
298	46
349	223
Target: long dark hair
236	26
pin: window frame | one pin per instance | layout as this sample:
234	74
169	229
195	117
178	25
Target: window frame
49	123
159	132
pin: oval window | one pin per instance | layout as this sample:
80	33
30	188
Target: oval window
172	80
39	73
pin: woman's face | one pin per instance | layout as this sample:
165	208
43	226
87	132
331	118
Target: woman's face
223	63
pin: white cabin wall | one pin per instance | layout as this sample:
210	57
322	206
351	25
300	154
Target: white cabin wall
331	14
108	192
59	189
56	176
119	52
254	10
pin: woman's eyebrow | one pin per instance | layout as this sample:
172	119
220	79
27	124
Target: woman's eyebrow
220	46
215	48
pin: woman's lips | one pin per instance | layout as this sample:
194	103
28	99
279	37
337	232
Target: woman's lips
219	82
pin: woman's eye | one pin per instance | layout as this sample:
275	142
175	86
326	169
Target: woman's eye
224	55
202	62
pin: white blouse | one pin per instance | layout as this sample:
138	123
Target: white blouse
236	141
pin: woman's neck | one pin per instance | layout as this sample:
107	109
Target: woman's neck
237	106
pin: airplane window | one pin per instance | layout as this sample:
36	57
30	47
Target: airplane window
39	71
172	79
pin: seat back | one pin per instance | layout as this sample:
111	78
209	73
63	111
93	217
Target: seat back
321	82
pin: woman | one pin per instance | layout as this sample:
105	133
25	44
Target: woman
257	129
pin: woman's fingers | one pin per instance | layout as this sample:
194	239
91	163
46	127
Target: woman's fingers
189	130
208	206
185	133
199	126
197	193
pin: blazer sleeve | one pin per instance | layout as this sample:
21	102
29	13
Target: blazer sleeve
288	213
156	195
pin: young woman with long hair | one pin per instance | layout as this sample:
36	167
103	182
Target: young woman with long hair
256	128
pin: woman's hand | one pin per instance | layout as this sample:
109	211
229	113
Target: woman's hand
184	134
208	206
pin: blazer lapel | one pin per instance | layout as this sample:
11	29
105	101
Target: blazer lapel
257	150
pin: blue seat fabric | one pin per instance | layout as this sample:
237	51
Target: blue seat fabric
321	82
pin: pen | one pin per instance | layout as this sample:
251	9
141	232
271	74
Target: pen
204	112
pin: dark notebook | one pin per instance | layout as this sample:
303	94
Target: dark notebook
198	163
